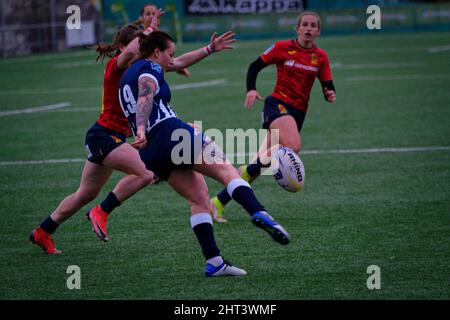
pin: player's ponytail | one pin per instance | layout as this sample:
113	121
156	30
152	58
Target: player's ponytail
124	36
156	39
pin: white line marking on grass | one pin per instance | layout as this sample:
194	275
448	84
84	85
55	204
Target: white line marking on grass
305	152
74	64
52	161
198	84
439	49
36	109
192	85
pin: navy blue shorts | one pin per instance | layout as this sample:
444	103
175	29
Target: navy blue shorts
275	108
100	141
162	155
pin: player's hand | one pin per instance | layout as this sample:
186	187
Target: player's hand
195	126
252	95
140	141
154	23
330	95
184	72
222	42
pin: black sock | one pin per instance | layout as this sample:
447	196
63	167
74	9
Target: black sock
254	169
224	197
203	229
110	203
245	196
49	226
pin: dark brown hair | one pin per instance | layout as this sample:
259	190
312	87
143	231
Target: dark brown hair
156	39
124	36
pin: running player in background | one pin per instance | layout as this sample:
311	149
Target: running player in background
145	96
299	62
148	11
105	143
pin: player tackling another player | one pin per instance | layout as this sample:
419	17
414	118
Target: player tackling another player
299	62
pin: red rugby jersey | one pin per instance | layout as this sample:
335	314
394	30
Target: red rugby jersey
297	68
112	116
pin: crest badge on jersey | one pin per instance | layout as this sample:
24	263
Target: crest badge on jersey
292	52
156	67
314	59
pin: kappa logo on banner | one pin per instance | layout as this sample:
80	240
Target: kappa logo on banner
241	6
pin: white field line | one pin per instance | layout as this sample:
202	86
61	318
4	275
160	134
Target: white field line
439	49
74	64
176	87
36	109
305	152
21	60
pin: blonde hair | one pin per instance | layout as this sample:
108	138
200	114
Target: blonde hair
308	13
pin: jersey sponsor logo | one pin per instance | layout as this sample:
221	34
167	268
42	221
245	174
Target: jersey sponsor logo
270	49
282	109
292	63
292	52
314	59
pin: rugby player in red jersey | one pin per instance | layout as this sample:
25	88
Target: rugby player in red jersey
299	62
105	144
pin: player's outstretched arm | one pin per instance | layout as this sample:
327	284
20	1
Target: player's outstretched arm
216	44
132	49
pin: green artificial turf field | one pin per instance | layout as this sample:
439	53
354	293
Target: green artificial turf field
368	199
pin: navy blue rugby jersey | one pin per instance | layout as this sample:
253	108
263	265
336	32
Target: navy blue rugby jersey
129	90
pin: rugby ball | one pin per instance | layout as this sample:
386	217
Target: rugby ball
288	170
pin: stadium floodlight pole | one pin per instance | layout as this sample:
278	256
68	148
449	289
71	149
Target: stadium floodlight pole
53	23
2	32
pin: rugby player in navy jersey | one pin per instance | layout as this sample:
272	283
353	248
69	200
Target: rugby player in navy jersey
145	99
106	146
299	62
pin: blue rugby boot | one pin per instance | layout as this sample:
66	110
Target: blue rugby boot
264	221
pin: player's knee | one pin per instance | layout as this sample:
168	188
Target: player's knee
147	178
86	196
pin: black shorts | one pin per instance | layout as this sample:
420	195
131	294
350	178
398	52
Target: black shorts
157	155
100	141
275	108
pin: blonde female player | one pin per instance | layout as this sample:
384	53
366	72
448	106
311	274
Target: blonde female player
299	62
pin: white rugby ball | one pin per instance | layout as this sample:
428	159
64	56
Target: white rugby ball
288	170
